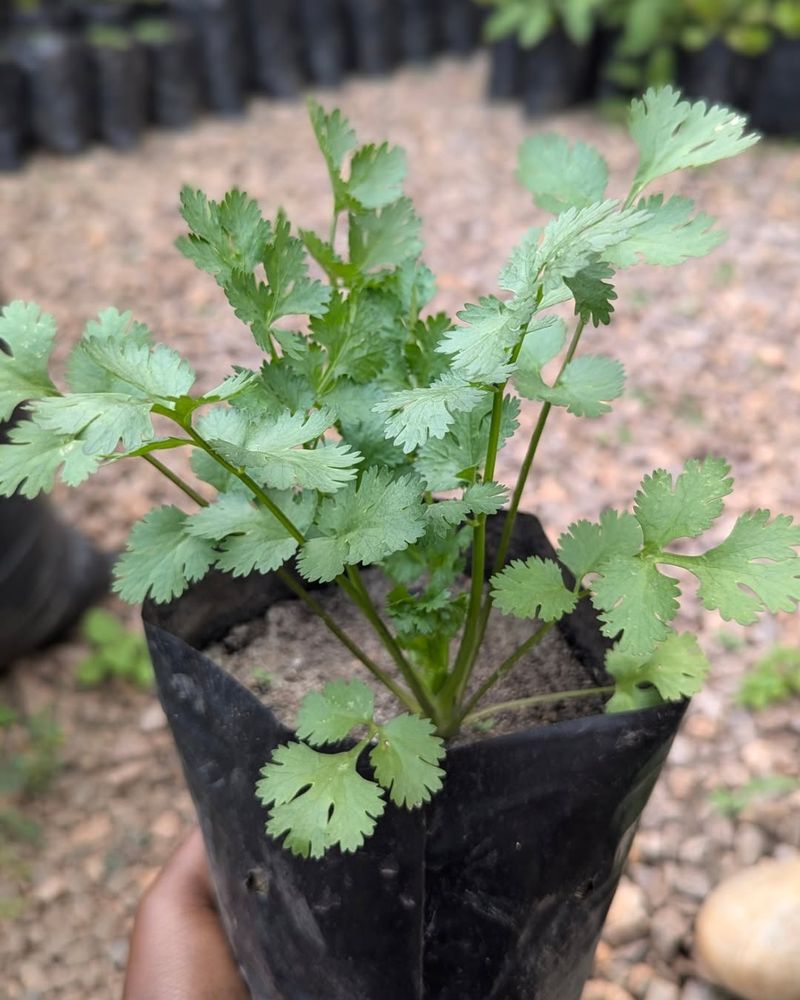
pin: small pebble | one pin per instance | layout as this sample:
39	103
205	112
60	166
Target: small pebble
627	918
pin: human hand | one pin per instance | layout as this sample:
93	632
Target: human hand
178	947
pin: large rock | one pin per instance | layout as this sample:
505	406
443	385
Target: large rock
748	932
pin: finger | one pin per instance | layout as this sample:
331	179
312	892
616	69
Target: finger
178	948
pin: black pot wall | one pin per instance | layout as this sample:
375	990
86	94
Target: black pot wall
460	25
48	574
218	28
370	32
774	104
417	30
505	70
496	891
120	93
57	81
12	115
322	40
556	74
273	42
173	83
717	74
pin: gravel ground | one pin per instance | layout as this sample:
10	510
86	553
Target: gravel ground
712	357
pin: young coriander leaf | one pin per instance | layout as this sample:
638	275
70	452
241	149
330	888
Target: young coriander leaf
376	176
330	715
593	296
533	589
225	237
331	263
156	373
103	419
560	175
406	759
586	547
274	455
480	348
387	238
319	800
250	537
415	415
30	462
480	498
754	569
670	236
84	374
688	507
364	523
672	134
585	387
634	598
677	668
26	340
335	139
162	558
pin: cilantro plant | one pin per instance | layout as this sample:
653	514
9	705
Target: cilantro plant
370	437
115	652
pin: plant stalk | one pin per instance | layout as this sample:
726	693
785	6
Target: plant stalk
538	699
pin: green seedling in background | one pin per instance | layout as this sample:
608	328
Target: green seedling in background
371	439
733	801
117	653
774	679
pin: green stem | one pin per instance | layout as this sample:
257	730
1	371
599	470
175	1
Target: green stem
457	682
176	480
353	585
380	675
538	699
504	668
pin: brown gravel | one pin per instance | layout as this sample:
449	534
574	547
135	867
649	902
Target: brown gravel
712	356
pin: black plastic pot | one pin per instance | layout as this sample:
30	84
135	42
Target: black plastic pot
417	30
274	57
556	74
218	28
120	92
49	575
774	105
56	76
99	12
321	40
173	96
371	33
716	74
496	891
505	70
12	115
459	25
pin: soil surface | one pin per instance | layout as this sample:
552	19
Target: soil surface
711	350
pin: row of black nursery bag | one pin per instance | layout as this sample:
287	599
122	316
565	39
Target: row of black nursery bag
72	71
557	74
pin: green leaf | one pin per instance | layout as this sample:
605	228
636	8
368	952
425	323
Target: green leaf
157	372
225	237
386	238
754	569
361	335
330	715
774	679
586	547
480	349
561	176
274	453
480	498
677	668
533	589
26	340
319	800
688	507
587	385
634	598
670	236
448	463
103	419
672	134
376	176
84	374
364	523
593	296
335	138
406	759
30	461
415	415
331	263
162	558
361	428
250	537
